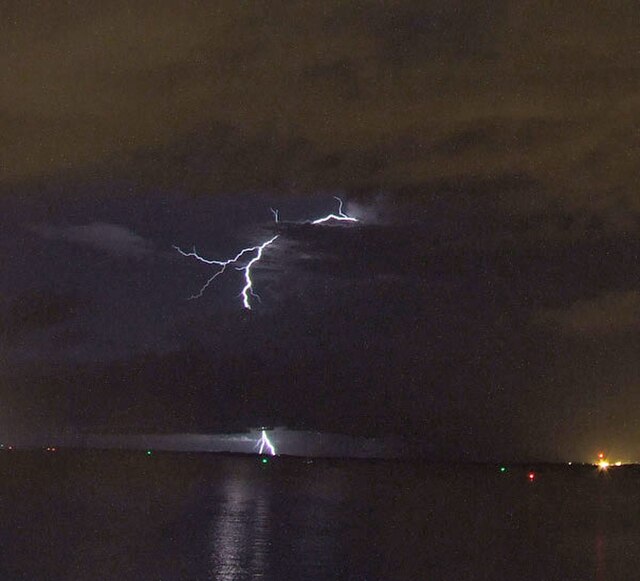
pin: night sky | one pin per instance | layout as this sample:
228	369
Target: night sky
487	304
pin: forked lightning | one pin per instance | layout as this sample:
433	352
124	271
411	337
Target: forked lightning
256	253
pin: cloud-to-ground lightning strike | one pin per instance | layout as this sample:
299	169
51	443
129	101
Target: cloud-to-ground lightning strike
265	444
247	291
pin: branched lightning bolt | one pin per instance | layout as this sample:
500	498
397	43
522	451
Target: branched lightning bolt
248	283
247	291
264	443
339	217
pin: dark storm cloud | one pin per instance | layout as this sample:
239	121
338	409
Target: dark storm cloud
307	95
486	303
435	321
111	238
609	314
35	311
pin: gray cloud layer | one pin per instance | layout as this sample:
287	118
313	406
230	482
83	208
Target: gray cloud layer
302	95
110	238
509	126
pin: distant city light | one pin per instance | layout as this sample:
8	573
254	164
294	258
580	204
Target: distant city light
532	476
603	465
149	452
503	469
264	460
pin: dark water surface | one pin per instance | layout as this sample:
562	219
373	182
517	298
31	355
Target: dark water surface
106	515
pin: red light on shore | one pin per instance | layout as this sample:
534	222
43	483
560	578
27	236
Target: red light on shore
532	476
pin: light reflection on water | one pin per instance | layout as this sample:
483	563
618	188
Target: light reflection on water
379	523
268	529
240	536
234	519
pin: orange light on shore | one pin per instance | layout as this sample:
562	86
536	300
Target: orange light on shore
602	463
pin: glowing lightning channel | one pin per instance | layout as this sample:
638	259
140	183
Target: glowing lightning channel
339	217
247	290
264	442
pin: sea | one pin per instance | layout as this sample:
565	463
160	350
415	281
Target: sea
136	515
